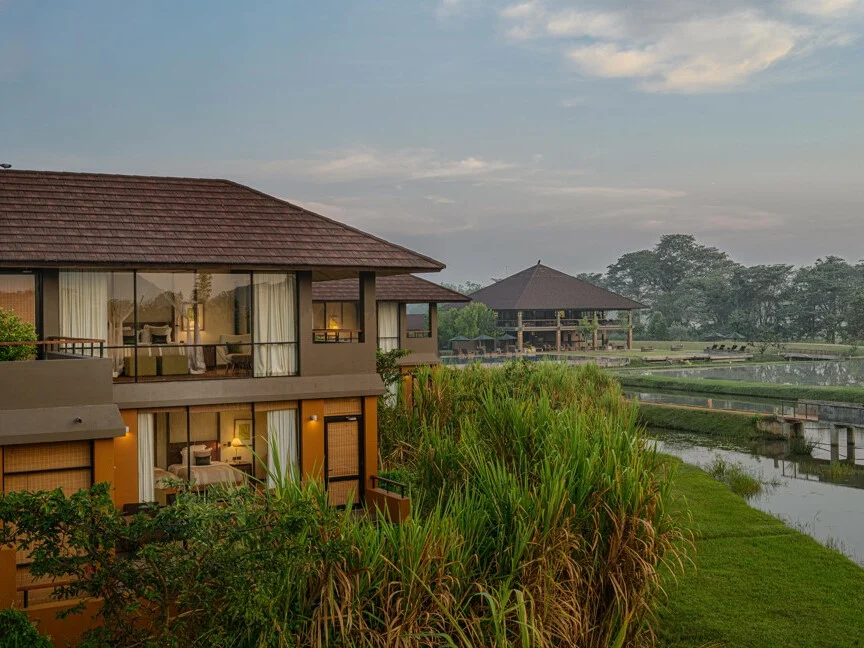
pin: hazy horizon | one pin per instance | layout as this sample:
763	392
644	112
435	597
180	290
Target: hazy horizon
485	134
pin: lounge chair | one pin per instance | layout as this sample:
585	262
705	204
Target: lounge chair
734	348
743	349
722	347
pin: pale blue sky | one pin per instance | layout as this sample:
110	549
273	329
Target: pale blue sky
487	134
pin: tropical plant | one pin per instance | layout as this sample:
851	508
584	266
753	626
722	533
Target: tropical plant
14	329
16	631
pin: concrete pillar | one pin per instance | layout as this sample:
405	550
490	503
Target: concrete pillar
850	445
835	442
594	339
630	339
558	339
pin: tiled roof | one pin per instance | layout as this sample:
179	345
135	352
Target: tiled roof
399	288
53	218
542	288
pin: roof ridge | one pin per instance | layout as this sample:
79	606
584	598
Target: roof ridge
103	174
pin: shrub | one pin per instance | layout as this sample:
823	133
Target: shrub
14	329
16	631
735	476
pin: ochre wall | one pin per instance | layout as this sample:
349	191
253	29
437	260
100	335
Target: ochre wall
103	463
312	439
370	439
63	631
126	461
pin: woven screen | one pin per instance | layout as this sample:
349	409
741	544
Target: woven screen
46	456
70	481
338	492
343	449
342	406
273	406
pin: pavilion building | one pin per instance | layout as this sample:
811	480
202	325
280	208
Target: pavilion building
551	310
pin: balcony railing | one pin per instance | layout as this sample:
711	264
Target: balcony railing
420	333
178	361
336	335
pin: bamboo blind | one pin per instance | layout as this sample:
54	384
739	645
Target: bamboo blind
45	456
343	406
343	448
338	492
273	406
69	481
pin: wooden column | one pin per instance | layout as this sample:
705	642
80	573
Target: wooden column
630	339
594	339
519	337
558	331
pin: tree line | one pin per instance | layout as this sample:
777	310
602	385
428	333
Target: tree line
694	290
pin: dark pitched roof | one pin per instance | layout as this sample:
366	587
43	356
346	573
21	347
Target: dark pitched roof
542	288
400	288
53	218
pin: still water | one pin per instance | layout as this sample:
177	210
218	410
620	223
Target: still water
826	374
815	495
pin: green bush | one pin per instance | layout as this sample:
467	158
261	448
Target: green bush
14	329
16	631
727	425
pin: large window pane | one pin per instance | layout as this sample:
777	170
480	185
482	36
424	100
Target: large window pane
275	324
388	326
336	322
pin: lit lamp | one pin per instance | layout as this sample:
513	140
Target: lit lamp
236	443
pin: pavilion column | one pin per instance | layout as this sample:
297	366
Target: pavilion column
594	339
630	339
519	337
558	331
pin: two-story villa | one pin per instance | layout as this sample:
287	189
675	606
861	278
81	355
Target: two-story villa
181	335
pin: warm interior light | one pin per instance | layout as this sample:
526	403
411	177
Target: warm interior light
236	443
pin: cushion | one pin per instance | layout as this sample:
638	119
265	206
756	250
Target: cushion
202	461
129	340
158	339
194	448
235	348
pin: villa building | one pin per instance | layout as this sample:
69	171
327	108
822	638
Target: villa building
551	310
185	327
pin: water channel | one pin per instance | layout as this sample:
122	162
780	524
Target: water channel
833	373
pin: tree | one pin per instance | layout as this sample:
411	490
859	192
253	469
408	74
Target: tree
469	321
464	288
657	327
822	294
14	329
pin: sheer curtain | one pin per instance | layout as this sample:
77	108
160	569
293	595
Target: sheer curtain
283	450
388	326
84	305
275	304
146	457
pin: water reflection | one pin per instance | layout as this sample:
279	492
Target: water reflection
849	373
816	495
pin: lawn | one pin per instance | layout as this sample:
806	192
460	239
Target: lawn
756	582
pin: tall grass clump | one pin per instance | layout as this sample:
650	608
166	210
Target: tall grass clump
560	512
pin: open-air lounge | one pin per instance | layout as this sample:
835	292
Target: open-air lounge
549	310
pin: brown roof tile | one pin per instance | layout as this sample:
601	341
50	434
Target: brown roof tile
399	288
543	288
90	218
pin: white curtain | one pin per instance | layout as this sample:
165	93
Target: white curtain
84	306
146	456
275	303
282	434
388	326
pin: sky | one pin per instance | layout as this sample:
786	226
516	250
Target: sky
486	134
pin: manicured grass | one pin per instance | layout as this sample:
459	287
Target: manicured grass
711	423
732	387
756	582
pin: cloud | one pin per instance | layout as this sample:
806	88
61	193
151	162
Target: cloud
825	8
374	164
682	45
572	102
620	193
440	200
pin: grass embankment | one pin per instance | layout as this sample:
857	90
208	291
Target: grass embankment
735	388
756	582
716	423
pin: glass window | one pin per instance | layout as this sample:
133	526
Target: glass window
419	322
275	324
388	326
336	322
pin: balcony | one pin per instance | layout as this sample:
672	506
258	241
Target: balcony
233	358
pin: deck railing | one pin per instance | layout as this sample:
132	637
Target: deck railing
389	485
